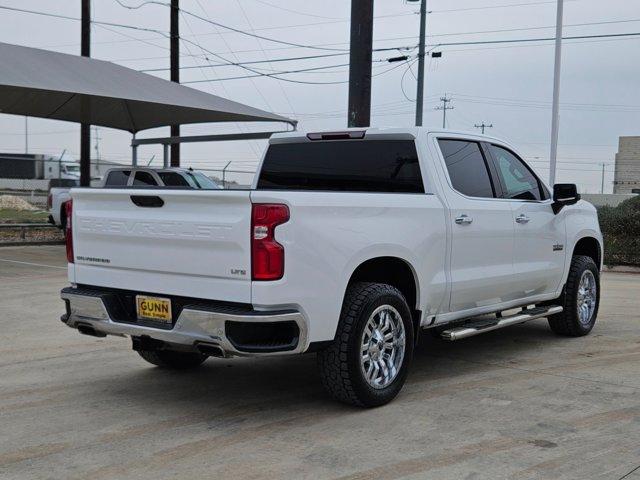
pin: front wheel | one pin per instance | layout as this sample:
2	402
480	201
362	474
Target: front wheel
369	360
580	299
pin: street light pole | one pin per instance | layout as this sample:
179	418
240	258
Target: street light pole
420	92
555	120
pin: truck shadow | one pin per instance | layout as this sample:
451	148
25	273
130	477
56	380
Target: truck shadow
285	383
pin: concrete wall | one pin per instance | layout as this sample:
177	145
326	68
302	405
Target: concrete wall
627	168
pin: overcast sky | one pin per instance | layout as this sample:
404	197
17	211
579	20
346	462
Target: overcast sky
507	85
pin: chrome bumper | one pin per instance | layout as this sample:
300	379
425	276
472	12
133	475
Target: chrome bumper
193	328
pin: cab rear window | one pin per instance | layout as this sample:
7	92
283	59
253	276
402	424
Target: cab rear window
345	166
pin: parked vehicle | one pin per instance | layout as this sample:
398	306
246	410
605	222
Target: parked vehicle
154	177
348	244
56	200
127	177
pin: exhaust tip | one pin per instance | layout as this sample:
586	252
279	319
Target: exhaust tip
89	330
210	349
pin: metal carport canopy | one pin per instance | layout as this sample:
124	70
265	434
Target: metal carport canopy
41	83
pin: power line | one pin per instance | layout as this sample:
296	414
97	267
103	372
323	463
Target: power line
294	11
161	32
271	60
530	44
282	90
286	72
241	128
490	7
546	39
227	27
521	29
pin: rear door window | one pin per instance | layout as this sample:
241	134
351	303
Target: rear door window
173	179
143	178
468	169
343	165
118	178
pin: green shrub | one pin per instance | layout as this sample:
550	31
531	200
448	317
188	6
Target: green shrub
621	230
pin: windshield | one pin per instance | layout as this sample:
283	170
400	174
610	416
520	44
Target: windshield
71	168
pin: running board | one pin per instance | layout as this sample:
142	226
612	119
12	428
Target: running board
481	325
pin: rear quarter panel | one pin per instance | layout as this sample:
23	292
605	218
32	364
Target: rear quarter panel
330	234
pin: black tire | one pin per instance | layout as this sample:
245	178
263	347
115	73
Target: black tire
172	359
567	322
339	364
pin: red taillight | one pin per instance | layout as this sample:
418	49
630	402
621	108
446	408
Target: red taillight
68	208
267	255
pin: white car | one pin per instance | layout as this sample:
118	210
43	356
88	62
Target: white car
347	245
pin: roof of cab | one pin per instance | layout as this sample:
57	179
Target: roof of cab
377	132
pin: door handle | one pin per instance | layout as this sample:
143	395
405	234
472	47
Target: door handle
463	220
522	218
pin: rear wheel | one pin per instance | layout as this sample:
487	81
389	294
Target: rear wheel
172	359
369	360
580	299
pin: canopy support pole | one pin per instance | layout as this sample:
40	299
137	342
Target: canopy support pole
134	151
165	155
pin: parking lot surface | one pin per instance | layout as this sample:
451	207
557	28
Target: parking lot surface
515	403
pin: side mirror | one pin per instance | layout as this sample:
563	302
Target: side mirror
564	194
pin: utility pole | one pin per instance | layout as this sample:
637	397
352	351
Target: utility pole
360	55
602	183
175	71
555	114
420	92
483	126
444	109
85	128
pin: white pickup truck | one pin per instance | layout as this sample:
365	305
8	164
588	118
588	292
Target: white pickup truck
347	245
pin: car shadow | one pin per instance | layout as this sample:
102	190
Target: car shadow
294	382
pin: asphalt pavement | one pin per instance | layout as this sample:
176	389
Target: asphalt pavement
515	403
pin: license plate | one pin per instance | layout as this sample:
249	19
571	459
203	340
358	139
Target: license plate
153	308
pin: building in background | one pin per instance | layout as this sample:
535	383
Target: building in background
627	167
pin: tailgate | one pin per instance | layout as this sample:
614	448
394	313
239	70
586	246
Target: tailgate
196	244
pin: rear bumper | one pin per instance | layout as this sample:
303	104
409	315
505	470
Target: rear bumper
198	327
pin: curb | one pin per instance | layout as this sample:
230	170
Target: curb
34	243
621	269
